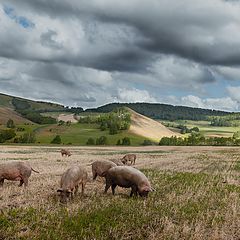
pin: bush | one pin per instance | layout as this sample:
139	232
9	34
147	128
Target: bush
147	142
10	123
126	141
102	140
119	142
26	138
6	135
57	140
113	129
90	141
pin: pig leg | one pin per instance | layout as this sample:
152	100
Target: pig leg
133	191
21	183
113	188
25	181
94	175
108	185
1	182
76	190
83	186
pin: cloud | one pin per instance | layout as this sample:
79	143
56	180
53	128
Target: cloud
203	31
93	52
225	103
48	40
134	95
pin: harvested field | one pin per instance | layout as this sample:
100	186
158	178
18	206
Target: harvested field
197	196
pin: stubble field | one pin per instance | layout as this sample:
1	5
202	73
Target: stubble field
197	196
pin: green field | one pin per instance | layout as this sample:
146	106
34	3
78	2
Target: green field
205	128
77	134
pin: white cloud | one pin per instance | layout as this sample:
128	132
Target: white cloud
134	95
234	92
225	103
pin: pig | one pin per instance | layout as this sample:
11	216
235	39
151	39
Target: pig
70	181
128	177
118	162
16	171
129	158
99	168
65	152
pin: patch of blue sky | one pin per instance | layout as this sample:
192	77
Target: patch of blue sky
22	21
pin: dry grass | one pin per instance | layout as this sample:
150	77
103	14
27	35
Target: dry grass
149	128
197	196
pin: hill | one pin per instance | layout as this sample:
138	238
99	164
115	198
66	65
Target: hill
149	128
7	113
164	111
8	101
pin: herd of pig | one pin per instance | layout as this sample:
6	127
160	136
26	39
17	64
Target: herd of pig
115	172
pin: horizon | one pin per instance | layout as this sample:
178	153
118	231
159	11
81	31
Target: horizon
65	106
89	54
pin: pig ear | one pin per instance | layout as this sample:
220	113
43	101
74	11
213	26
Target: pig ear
60	190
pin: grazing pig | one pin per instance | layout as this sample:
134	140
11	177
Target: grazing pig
99	168
16	171
128	177
65	152
70	181
118	162
129	158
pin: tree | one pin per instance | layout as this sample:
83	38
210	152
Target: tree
236	135
102	140
10	123
119	142
113	129
147	142
90	141
56	140
6	135
28	137
126	141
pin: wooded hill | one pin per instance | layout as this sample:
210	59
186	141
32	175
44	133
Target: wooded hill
164	111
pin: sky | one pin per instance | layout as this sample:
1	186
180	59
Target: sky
89	53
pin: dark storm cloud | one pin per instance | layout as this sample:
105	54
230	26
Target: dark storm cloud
199	31
96	51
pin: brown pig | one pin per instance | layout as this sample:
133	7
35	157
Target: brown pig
70	181
118	162
65	152
16	171
129	158
128	177
99	168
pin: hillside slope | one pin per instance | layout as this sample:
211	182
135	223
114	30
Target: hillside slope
6	101
7	113
149	128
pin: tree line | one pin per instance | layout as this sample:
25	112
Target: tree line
163	111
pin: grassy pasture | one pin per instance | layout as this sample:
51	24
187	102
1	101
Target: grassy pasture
79	133
197	196
205	128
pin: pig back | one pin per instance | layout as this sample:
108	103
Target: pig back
12	170
127	176
72	177
101	167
